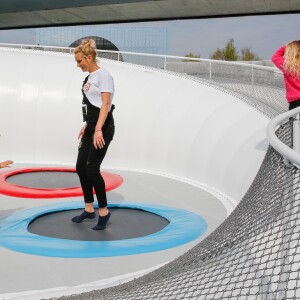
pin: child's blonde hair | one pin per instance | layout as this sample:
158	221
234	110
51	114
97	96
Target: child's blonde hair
87	47
292	58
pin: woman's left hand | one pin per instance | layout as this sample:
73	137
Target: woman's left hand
6	164
98	139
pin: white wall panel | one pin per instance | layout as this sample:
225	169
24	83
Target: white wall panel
164	123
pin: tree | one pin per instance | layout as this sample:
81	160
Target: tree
218	54
230	52
248	55
191	55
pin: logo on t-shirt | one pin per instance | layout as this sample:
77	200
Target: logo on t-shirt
86	87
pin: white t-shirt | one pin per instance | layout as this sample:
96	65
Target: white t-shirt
98	82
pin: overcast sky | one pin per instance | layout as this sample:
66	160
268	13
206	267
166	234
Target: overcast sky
264	34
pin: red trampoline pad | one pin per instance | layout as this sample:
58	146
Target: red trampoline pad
111	180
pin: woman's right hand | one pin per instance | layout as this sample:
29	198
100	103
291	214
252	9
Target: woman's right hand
81	132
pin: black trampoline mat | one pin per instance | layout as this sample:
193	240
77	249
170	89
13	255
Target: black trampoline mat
46	179
124	223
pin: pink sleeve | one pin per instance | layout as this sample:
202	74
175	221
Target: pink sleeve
278	58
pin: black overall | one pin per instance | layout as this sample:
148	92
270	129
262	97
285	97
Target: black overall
89	158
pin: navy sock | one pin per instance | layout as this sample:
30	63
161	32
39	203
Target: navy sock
102	221
84	215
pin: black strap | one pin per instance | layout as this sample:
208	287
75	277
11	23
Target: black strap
89	111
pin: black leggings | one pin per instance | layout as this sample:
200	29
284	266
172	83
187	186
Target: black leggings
294	104
88	166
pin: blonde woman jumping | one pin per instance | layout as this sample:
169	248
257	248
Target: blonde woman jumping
96	134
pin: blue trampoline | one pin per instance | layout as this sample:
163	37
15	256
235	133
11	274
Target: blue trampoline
182	227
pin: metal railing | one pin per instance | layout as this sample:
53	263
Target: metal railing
258	86
291	155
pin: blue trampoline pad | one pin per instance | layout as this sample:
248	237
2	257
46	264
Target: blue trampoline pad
182	228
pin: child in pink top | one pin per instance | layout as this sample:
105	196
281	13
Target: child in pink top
287	59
